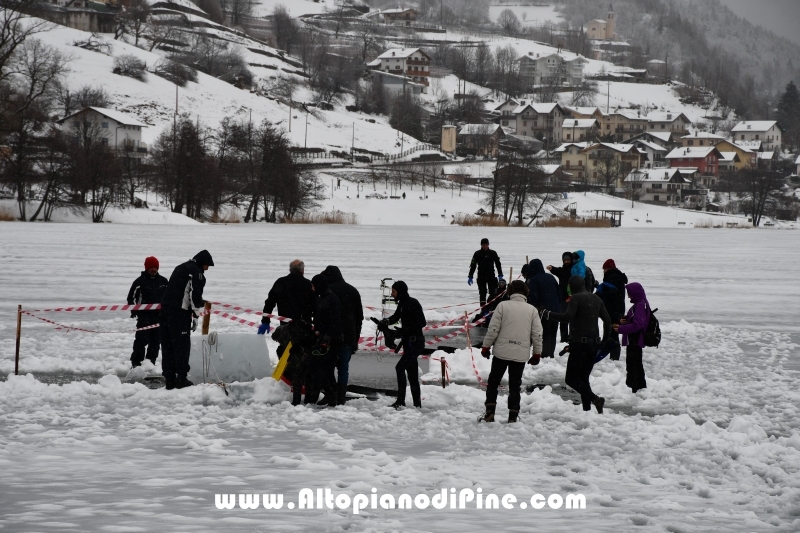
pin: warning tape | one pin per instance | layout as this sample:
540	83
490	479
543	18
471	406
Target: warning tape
110	307
75	328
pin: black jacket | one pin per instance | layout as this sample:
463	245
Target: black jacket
543	287
328	317
563	273
612	292
485	261
147	289
294	298
350	300
582	313
409	312
185	288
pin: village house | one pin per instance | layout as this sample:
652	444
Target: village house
660	186
580	129
704	159
702	138
668	121
654	153
602	30
506	112
623	124
573	159
458	174
766	131
745	157
397	84
540	120
116	129
482	139
665	139
585	160
560	69
402	16
410	62
584	112
728	161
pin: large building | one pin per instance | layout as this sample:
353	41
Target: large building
766	131
410	62
561	69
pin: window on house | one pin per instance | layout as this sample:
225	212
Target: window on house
757	137
655	198
105	125
104	141
690	143
663	127
524	122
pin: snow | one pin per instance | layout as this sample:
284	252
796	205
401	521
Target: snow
713	443
754	125
296	8
114	214
533	15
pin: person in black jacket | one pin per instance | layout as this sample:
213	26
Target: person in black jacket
329	333
148	288
544	295
485	260
183	300
582	313
612	292
563	273
294	297
352	318
409	313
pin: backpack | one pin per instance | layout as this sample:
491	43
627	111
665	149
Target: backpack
652	333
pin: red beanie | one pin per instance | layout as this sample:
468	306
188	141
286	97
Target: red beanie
150	262
609	264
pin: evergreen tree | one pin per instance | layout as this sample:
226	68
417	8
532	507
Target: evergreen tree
788	115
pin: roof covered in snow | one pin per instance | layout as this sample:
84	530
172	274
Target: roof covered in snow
579	122
118	116
542	109
666	116
479	129
729	157
754	125
653	146
653	175
750	146
564	147
692	152
400	53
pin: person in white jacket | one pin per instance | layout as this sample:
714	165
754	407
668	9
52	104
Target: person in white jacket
515	330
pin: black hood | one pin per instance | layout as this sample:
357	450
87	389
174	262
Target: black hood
333	274
566	255
535	267
577	285
401	288
204	258
320	283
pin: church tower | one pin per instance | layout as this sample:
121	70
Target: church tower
610	23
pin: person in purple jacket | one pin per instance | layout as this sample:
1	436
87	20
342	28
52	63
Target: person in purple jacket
632	328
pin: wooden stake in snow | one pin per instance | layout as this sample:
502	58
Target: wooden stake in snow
19	334
206	319
444	373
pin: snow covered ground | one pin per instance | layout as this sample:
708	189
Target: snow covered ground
713	444
528	15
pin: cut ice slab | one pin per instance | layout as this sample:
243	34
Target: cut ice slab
228	357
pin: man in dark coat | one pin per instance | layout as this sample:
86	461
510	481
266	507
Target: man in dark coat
612	292
329	332
148	288
544	295
182	302
294	298
409	312
563	273
352	319
582	313
485	260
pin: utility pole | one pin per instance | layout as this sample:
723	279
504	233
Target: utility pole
353	142
608	95
305	145
290	115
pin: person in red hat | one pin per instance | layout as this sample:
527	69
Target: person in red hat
148	288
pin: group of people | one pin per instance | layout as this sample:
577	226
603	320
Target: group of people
323	317
525	321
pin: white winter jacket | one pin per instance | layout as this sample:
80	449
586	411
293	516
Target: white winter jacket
515	329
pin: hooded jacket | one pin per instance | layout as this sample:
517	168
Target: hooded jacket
294	298
409	313
328	313
147	289
637	318
543	287
582	313
579	268
612	292
350	300
185	287
515	329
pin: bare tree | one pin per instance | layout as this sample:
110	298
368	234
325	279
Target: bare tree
284	28
16	26
509	22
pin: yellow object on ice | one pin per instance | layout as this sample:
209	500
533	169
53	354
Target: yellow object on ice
281	366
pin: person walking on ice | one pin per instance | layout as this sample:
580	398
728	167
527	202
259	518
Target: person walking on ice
148	288
514	331
485	260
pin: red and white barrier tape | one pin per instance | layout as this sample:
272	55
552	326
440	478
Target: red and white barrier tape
110	307
70	328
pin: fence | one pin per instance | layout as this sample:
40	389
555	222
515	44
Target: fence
361	155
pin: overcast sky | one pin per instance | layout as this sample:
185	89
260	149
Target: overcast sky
779	16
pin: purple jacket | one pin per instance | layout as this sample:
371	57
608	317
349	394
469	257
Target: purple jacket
638	315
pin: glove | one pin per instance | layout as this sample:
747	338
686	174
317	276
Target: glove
469	282
534	360
384	322
194	324
500	278
486	351
263	328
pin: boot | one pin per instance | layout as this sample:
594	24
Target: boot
513	414
182	383
341	397
488	416
599	402
333	398
170	384
398	405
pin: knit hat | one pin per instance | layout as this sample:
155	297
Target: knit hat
150	262
609	264
484	241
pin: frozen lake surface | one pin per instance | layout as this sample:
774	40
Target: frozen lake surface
713	443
